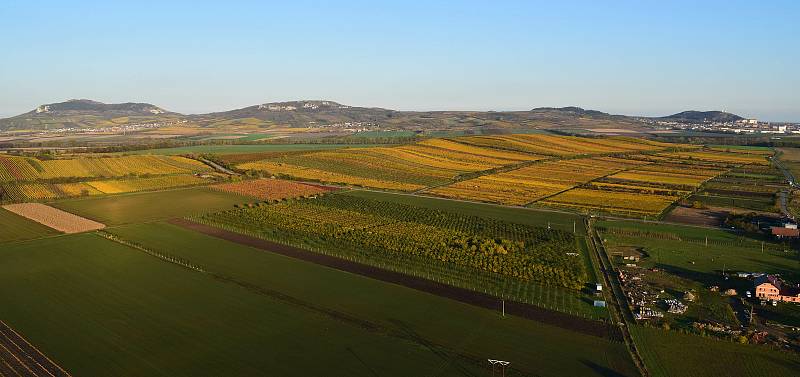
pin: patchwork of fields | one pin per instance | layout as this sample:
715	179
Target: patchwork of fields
633	185
31	179
210	280
437	161
619	176
529	264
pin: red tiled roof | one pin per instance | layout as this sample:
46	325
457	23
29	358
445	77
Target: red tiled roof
785	232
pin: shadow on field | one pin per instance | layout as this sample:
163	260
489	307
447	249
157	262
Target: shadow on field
601	370
700	277
450	359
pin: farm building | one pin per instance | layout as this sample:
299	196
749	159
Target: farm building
787	231
770	287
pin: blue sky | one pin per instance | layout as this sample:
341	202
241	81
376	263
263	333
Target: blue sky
629	57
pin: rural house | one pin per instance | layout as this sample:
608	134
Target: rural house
770	287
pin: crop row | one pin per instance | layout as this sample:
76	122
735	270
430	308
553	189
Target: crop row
34	191
535	181
14	168
735	158
614	202
436	161
392	230
550	145
271	189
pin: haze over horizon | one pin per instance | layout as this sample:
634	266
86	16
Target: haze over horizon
197	57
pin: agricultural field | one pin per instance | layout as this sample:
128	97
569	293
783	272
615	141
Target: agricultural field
634	185
684	251
533	265
434	162
16	228
526	216
272	189
236	149
149	206
37	191
528	184
15	169
119	304
549	145
732	157
53	218
674	354
632	204
404	168
24	179
748	188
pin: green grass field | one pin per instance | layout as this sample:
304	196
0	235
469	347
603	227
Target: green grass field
690	257
141	207
453	326
245	148
676	355
101	308
539	218
16	228
118	311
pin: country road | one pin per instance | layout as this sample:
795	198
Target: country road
218	167
783	196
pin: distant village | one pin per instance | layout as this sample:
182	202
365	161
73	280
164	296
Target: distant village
123	128
743	126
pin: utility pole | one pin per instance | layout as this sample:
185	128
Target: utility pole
502	365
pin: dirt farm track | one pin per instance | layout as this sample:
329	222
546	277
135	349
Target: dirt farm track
550	317
18	358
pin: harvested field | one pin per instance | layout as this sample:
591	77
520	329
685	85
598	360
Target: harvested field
711	216
551	317
54	218
272	189
20	358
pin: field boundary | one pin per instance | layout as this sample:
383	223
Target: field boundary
546	316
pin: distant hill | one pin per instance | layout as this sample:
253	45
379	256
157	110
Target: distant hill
322	112
83	113
573	110
294	114
318	114
85	106
702	117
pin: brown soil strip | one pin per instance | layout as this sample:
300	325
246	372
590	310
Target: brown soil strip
550	317
20	358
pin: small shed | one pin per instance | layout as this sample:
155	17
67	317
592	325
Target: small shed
598	287
599	303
